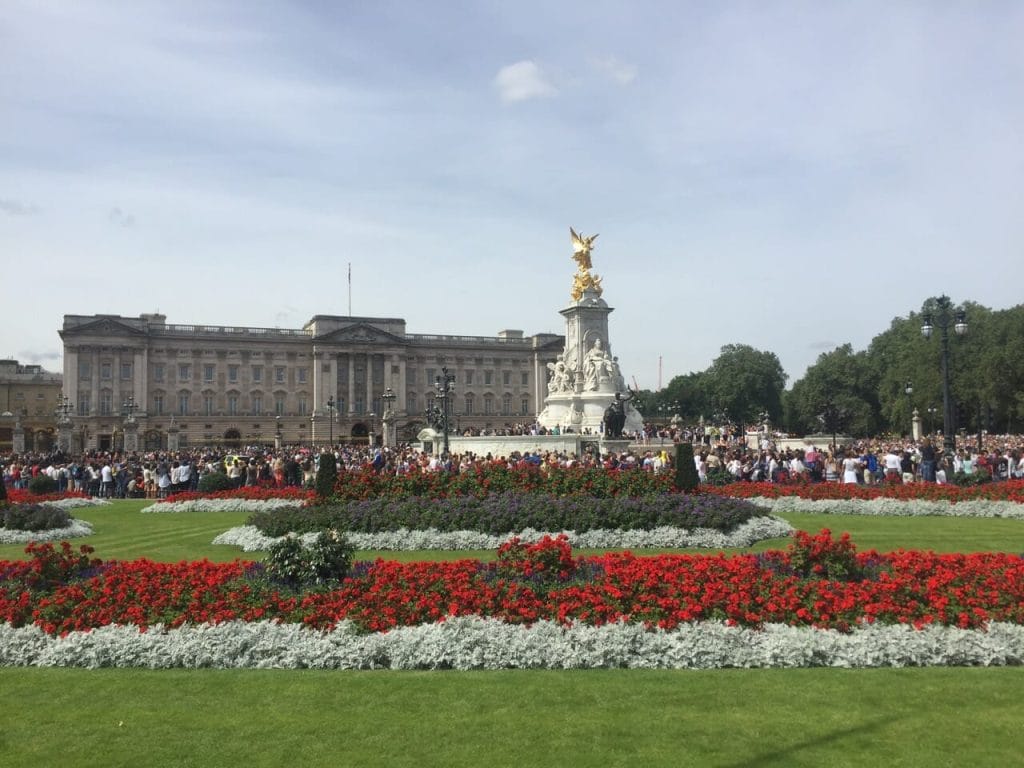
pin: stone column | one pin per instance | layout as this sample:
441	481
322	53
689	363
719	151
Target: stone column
915	425
403	384
369	383
319	389
351	383
140	380
94	395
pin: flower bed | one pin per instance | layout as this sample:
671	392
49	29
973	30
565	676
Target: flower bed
23	496
471	642
819	582
500	514
484	480
202	504
251	493
1010	491
891	507
74	530
251	539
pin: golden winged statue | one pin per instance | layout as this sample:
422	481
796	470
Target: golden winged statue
583	280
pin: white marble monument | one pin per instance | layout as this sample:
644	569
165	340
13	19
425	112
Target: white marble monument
586	377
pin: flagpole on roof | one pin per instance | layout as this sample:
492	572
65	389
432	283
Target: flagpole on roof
350	289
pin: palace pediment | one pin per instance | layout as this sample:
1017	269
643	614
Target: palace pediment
359	333
102	326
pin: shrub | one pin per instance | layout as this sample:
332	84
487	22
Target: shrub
215	481
822	557
33	517
502	513
41	484
549	558
720	476
966	479
326	476
327	560
686	471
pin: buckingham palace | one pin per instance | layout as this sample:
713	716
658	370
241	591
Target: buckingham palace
332	379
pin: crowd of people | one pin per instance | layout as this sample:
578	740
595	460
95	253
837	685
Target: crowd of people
718	458
866	462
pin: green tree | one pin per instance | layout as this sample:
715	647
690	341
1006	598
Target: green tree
743	381
844	380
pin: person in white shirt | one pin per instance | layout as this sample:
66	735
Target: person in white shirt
106	480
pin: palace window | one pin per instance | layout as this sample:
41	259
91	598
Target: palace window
184	372
506	405
303	405
279	374
488	404
208	371
279	405
301	373
158	405
83	402
105	371
488	377
469	378
469	405
208	407
506	378
233	374
183	403
257	404
126	371
85	370
158	372
524	407
257	374
232	405
106	402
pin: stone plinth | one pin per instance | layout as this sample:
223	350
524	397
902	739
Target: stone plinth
131	436
584	380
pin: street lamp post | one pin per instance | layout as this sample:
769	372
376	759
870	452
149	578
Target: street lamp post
445	386
129	406
944	317
908	389
330	416
64	409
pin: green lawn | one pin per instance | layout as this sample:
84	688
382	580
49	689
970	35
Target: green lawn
122	532
919	717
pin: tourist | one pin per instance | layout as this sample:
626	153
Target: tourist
851	470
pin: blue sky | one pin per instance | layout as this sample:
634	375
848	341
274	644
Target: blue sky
786	175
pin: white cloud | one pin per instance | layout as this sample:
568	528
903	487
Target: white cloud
120	218
621	72
523	80
18	208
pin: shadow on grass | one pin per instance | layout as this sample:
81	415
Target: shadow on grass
786	755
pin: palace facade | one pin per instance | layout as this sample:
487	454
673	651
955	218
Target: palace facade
28	403
233	386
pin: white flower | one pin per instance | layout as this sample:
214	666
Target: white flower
471	642
250	539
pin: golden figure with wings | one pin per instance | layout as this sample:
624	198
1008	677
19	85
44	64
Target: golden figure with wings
583	280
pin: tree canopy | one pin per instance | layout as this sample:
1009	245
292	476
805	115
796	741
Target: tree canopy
867	389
